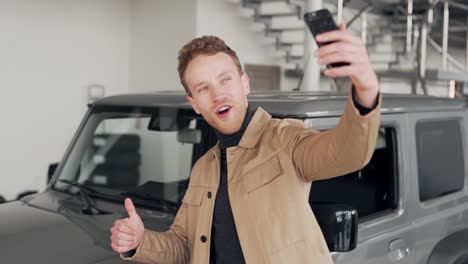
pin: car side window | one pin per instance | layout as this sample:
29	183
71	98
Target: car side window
372	190
440	158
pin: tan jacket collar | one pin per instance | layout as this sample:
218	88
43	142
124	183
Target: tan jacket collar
255	128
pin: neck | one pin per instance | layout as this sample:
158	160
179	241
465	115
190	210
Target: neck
226	141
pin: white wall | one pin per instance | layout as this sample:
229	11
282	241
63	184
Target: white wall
159	28
50	51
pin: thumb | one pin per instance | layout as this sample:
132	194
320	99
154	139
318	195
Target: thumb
342	27
130	208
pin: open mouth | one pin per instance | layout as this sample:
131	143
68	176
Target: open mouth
223	111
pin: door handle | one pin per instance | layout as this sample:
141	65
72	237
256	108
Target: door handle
397	250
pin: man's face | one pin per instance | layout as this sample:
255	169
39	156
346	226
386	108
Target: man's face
219	92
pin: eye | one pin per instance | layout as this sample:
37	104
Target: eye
202	89
226	79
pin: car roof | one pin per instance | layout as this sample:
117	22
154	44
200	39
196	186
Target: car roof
292	103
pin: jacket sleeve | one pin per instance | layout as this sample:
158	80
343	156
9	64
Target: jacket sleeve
165	247
338	151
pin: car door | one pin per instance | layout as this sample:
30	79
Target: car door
385	235
440	193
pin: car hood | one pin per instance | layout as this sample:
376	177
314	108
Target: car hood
50	228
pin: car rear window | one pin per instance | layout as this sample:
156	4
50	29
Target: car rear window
441	167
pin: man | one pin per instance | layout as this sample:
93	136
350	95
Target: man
247	200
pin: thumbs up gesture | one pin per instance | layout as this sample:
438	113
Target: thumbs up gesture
127	233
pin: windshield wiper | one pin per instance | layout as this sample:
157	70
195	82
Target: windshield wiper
148	197
89	208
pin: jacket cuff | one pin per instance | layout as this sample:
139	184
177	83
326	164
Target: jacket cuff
363	111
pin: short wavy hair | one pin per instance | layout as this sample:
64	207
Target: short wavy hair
206	45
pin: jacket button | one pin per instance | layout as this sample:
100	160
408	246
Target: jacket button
209	195
203	239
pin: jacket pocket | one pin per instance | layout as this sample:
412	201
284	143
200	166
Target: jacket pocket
193	196
262	174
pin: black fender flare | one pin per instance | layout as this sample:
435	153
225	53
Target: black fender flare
453	249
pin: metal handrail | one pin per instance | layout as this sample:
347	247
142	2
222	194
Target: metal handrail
450	59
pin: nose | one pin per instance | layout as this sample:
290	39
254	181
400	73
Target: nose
218	94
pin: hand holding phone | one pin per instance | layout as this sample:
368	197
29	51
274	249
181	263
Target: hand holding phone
345	56
319	22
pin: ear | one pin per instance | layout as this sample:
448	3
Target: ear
245	83
193	104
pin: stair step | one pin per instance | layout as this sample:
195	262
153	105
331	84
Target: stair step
382	57
381	47
278	53
297	50
380	66
292	36
287	22
276	8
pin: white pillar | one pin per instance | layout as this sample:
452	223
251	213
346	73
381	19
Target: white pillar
445	36
409	26
311	80
422	63
339	15
466	62
364	27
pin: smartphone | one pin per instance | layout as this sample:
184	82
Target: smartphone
319	22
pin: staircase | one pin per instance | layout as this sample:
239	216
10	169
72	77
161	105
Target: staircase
386	41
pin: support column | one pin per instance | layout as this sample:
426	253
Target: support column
312	69
339	18
445	36
409	26
466	62
422	57
364	27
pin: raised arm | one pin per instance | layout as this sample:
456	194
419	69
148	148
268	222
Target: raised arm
346	148
350	145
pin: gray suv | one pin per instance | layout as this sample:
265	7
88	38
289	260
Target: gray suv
408	205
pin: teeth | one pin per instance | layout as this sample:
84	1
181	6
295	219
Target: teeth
223	108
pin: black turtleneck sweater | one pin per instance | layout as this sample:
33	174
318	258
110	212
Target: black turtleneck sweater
225	247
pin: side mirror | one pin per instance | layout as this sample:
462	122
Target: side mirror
339	224
51	170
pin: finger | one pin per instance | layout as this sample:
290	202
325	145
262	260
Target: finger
339	57
337	35
337	47
126	229
343	71
130	208
122	236
120	249
123	243
342	27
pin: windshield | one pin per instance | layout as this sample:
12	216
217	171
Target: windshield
142	153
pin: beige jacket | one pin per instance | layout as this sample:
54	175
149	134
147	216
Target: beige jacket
269	179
